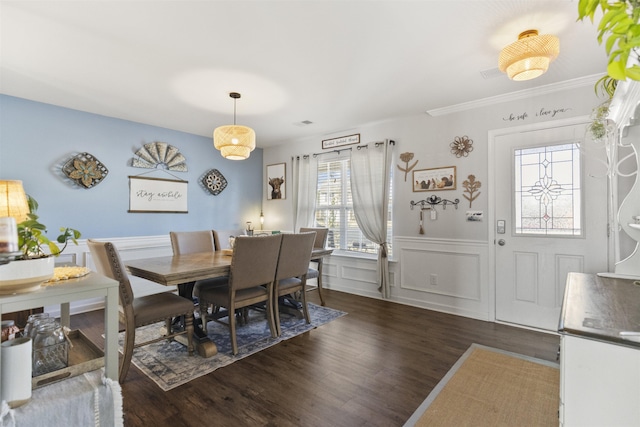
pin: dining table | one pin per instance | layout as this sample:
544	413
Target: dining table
176	270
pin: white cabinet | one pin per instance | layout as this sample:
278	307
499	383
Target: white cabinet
599	383
599	366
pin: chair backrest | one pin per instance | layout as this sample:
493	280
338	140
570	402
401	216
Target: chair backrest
108	263
188	242
254	261
295	255
321	236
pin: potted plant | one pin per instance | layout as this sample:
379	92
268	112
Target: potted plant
35	265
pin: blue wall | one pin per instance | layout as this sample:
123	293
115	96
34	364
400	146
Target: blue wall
37	139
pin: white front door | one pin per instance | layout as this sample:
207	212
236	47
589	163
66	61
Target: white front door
550	219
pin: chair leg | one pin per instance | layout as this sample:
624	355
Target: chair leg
202	309
168	324
232	332
127	352
273	314
305	308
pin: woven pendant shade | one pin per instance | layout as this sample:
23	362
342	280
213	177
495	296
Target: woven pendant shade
234	142
530	56
13	200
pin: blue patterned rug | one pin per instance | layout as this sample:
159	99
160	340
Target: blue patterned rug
168	364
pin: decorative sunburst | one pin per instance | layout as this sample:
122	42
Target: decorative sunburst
160	153
461	146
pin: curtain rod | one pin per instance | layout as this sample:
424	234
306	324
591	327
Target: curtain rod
359	147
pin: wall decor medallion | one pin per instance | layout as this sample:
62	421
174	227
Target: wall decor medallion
85	169
160	153
406	158
470	187
434	179
214	181
461	146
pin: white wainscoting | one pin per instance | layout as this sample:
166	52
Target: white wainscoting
460	269
450	276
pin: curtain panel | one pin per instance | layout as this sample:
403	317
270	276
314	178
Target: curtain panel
305	181
370	179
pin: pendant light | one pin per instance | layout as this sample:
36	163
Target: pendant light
234	142
529	57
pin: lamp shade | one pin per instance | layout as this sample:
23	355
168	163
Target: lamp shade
529	57
234	142
13	200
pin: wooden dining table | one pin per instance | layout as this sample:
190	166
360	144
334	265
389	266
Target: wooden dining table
175	270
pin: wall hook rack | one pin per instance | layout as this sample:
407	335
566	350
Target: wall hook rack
434	200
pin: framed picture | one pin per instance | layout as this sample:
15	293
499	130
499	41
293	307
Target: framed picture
276	181
436	179
157	195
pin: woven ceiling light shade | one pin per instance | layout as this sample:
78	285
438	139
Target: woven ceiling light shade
234	142
13	200
530	56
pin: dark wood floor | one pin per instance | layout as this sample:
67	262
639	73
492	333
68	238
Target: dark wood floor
373	367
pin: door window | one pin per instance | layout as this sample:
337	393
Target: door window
548	191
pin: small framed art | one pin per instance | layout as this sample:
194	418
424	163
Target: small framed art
276	181
435	179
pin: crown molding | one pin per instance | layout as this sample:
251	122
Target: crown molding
515	96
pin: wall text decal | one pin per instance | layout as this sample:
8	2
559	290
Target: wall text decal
543	112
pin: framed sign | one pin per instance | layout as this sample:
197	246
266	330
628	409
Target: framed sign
434	179
157	195
276	185
340	141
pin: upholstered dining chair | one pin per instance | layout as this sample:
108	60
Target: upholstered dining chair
188	242
322	235
137	312
291	274
250	281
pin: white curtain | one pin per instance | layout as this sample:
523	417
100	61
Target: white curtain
305	182
370	176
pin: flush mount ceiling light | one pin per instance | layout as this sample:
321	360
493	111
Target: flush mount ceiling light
530	56
234	142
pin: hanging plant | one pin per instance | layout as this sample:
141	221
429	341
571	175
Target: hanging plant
620	28
600	125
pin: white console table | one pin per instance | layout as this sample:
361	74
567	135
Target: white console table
600	352
93	285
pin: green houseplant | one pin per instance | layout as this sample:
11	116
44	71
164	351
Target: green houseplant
619	28
32	238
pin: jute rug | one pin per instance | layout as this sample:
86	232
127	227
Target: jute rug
168	364
490	387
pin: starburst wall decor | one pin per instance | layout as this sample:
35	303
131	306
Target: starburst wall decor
461	146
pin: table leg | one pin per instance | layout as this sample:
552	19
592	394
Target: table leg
203	345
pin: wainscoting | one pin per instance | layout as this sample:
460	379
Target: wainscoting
450	276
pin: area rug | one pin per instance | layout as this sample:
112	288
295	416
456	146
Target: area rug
491	387
169	366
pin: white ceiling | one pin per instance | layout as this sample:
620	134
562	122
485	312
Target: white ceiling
337	64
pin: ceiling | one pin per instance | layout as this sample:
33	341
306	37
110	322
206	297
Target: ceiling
336	64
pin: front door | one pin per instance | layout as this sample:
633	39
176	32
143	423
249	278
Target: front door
550	219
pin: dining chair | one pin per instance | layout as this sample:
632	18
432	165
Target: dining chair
140	311
250	281
322	235
291	274
188	242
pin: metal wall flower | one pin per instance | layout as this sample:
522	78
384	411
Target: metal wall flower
406	158
85	169
471	186
461	146
214	181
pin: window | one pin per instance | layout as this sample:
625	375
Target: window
334	208
547	191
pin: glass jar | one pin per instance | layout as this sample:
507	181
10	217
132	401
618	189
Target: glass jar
50	348
29	329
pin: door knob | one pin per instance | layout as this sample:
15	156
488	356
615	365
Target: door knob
502	242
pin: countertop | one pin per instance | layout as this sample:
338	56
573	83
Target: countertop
601	308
